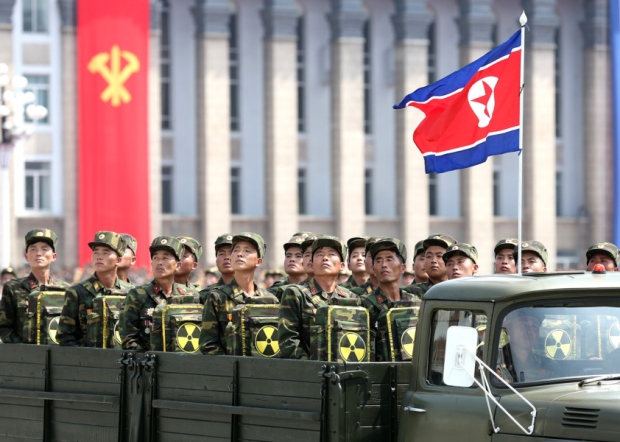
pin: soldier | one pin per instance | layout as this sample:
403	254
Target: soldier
212	276
108	250
129	258
40	254
306	248
192	251
356	258
247	255
460	260
293	265
407	278
533	256
223	247
604	253
369	286
504	256
419	269
271	277
434	248
141	301
299	302
7	275
389	256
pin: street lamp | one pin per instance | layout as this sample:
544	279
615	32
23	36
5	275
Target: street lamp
15	102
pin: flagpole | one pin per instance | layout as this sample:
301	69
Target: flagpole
523	22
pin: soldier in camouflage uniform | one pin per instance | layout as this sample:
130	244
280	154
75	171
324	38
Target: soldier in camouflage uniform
189	261
129	258
7	275
460	260
223	247
247	255
604	253
372	283
306	249
293	265
300	302
504	256
108	250
40	254
356	262
419	270
434	248
140	303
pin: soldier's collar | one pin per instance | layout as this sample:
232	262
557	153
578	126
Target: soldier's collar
156	287
32	281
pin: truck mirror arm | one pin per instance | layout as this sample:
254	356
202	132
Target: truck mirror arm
484	385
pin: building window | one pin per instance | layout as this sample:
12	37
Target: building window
40	86
165	66
301	191
166	189
301	77
431	54
233	60
557	67
38	186
367	80
368	191
558	193
235	190
35	16
432	194
496	193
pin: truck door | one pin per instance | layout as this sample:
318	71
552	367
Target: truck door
432	410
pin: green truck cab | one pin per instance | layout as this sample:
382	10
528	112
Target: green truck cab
549	348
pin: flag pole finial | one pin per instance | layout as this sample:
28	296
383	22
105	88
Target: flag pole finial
523	19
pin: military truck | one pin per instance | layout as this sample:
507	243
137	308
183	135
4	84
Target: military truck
465	381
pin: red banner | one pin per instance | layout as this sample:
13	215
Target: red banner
113	63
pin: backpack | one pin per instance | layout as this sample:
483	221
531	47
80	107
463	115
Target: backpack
396	334
340	334
176	328
252	330
102	322
42	315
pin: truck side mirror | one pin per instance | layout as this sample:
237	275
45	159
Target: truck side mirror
459	362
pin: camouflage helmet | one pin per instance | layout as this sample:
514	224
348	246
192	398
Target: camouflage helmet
461	248
393	244
111	240
355	242
41	235
533	246
419	249
223	240
295	241
168	244
438	239
308	241
606	248
130	242
370	241
193	246
330	241
506	243
253	238
8	271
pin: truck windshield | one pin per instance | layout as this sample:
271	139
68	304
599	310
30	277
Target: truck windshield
542	343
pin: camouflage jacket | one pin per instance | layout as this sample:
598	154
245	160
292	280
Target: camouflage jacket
279	286
418	288
297	309
78	303
220	302
141	301
204	292
350	283
14	304
377	302
364	289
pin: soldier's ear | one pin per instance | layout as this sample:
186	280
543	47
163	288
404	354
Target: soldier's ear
119	259
259	261
341	265
195	266
475	269
54	256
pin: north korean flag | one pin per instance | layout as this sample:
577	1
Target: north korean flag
472	113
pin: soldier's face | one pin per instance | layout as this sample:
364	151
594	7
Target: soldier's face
505	262
187	263
419	269
222	260
104	259
6	278
605	260
294	261
459	266
387	266
357	260
433	262
164	264
326	261
40	255
308	261
368	264
245	257
127	260
531	262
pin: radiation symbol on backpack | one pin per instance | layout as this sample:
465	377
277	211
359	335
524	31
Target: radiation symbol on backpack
117	335
614	334
352	347
558	344
188	336
52	329
406	341
266	341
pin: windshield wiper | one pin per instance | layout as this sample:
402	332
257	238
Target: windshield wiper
598	379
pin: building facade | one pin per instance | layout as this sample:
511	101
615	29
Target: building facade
276	116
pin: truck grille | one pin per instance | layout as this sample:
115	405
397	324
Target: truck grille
580	417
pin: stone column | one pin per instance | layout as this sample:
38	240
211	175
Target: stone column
598	172
281	156
154	119
539	146
8	224
69	240
213	119
347	116
411	21
476	21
